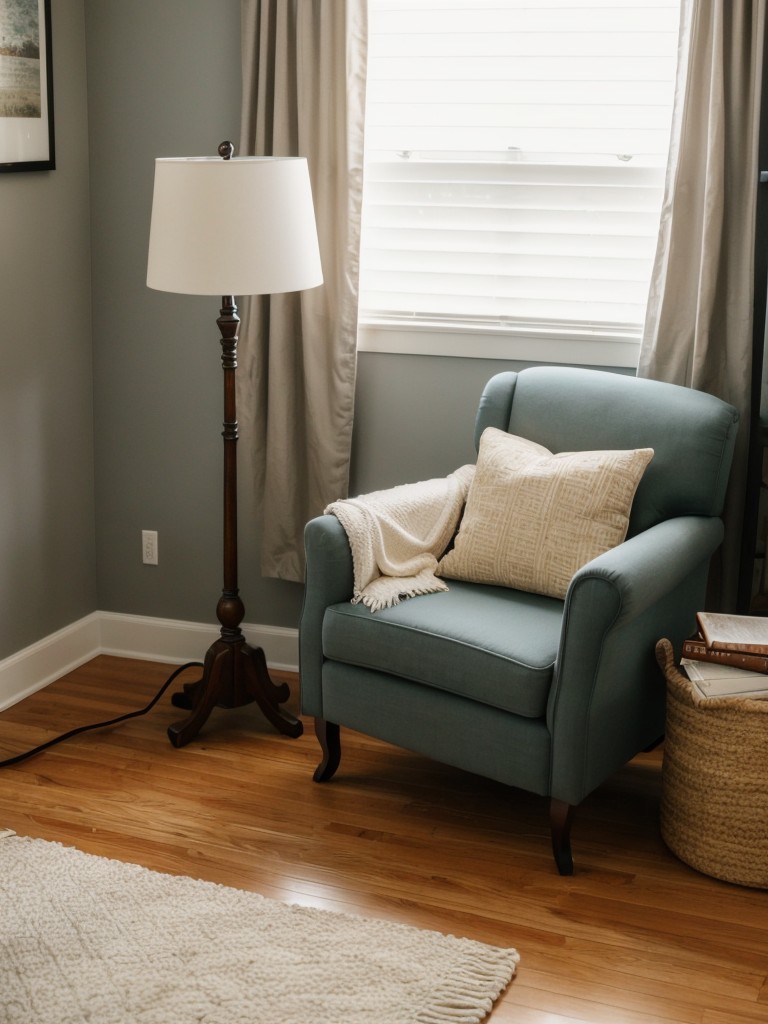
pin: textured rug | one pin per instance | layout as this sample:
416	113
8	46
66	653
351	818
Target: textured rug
89	939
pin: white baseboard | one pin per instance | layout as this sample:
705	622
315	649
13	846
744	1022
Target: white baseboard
129	636
34	667
137	636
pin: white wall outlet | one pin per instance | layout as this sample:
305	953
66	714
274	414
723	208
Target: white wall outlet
149	547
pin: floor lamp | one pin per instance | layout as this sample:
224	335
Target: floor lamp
224	226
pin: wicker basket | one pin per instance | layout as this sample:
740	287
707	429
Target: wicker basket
714	801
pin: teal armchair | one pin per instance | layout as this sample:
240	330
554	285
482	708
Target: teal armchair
548	695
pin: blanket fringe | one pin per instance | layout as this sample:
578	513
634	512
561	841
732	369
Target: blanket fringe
377	602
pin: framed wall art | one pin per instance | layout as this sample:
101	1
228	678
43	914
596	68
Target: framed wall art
26	86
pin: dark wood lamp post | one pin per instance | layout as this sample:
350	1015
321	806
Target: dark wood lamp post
231	227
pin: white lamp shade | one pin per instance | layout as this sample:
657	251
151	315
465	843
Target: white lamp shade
233	227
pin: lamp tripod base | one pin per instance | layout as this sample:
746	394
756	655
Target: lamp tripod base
234	674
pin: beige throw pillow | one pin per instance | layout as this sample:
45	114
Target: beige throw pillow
533	518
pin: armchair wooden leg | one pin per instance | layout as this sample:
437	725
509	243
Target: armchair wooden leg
560	816
328	733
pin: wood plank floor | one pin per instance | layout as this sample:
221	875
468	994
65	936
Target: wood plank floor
634	937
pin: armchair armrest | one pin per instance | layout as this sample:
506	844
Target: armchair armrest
646	567
329	580
623	601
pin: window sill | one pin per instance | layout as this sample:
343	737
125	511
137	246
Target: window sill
611	350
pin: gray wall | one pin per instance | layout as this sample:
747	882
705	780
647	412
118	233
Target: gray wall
156	356
415	416
131	397
163	80
47	556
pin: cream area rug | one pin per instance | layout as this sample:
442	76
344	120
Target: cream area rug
89	939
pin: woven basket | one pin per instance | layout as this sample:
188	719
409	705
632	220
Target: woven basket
714	798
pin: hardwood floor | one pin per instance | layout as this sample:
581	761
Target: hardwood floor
634	937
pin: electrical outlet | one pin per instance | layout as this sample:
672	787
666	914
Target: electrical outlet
149	547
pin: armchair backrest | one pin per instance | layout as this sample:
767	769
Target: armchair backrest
569	409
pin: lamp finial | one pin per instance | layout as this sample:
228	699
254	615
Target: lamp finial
226	150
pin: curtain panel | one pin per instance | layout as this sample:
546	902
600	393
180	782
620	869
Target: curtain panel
304	74
698	329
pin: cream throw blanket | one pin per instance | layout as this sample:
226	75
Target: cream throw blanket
398	535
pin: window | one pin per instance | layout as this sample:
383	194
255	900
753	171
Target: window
515	160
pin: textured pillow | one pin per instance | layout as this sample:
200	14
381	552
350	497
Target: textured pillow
533	518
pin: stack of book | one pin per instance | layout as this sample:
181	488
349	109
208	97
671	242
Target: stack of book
729	656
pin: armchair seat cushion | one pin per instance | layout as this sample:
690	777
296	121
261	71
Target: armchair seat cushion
490	644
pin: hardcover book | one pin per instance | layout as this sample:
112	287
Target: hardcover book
696	649
716	680
745	633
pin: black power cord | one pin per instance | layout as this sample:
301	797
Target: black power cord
102	725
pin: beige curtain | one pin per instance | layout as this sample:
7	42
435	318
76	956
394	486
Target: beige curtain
698	329
303	95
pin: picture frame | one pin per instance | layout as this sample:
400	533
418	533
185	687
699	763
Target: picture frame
26	86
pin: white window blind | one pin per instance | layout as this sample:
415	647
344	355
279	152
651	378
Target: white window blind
515	158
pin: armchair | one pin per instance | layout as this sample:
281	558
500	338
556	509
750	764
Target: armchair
546	694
